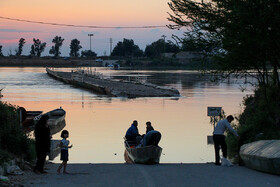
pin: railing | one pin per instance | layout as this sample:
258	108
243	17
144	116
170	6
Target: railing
138	79
89	72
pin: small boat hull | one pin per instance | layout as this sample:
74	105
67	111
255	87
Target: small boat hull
27	119
54	149
143	155
56	120
263	155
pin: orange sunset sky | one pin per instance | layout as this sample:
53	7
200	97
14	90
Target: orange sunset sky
114	13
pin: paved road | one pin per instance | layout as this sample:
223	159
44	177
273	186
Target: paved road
152	175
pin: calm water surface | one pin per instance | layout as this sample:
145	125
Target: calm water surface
97	123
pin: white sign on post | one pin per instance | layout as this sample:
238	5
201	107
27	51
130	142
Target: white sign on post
214	111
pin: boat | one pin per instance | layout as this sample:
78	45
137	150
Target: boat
56	120
142	155
262	155
27	118
54	149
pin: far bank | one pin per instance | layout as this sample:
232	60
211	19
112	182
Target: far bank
133	64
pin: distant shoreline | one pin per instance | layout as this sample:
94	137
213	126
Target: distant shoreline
75	62
44	62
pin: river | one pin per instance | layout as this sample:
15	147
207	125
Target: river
97	123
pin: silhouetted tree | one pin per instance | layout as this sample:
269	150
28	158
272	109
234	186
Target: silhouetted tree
240	35
1	54
37	48
74	48
32	51
159	47
88	54
21	43
55	50
127	48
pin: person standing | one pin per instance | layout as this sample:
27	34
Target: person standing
219	137
64	145
149	127
42	143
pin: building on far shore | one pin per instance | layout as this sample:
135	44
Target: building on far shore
185	57
109	63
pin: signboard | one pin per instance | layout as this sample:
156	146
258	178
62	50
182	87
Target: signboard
214	111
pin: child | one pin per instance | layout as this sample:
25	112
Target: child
64	151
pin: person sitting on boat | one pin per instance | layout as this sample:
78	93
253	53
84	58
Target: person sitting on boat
132	133
152	138
149	127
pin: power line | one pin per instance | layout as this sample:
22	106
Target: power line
85	26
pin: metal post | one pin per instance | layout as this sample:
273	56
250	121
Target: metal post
163	36
90	35
111	42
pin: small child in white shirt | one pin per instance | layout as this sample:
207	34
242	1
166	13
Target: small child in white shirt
64	151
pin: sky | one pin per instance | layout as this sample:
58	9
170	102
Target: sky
113	13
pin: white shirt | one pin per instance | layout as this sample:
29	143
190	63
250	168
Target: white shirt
65	144
221	127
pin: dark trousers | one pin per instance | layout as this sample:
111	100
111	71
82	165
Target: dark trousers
41	158
219	141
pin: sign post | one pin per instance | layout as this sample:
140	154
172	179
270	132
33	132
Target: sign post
213	112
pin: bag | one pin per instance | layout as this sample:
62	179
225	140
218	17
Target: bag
226	162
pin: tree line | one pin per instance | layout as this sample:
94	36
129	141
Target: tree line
125	48
38	47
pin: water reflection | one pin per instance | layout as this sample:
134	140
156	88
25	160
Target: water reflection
97	123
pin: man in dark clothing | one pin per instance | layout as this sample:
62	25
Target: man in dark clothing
42	143
149	126
132	133
219	137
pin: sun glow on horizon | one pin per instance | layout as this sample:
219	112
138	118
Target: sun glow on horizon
122	13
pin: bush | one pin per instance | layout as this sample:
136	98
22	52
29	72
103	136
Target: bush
4	156
260	119
12	137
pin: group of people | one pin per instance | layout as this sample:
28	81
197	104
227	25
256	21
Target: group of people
43	143
152	137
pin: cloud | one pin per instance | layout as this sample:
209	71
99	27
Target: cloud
17	30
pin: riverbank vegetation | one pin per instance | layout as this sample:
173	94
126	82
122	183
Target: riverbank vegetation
14	143
238	37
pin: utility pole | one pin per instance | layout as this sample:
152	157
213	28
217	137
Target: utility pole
111	42
90	35
163	36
